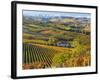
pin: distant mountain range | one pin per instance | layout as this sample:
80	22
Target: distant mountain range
62	19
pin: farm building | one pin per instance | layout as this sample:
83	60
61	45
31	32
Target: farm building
63	44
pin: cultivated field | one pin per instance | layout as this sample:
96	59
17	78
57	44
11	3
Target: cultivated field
53	42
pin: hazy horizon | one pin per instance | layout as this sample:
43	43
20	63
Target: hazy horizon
54	14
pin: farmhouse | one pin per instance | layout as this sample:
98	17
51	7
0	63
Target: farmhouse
63	44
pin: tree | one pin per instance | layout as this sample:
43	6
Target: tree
60	59
52	41
81	44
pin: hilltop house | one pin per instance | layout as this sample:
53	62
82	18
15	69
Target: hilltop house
63	44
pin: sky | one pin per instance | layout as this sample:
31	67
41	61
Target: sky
51	13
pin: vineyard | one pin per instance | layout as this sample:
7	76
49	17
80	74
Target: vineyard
56	41
36	56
